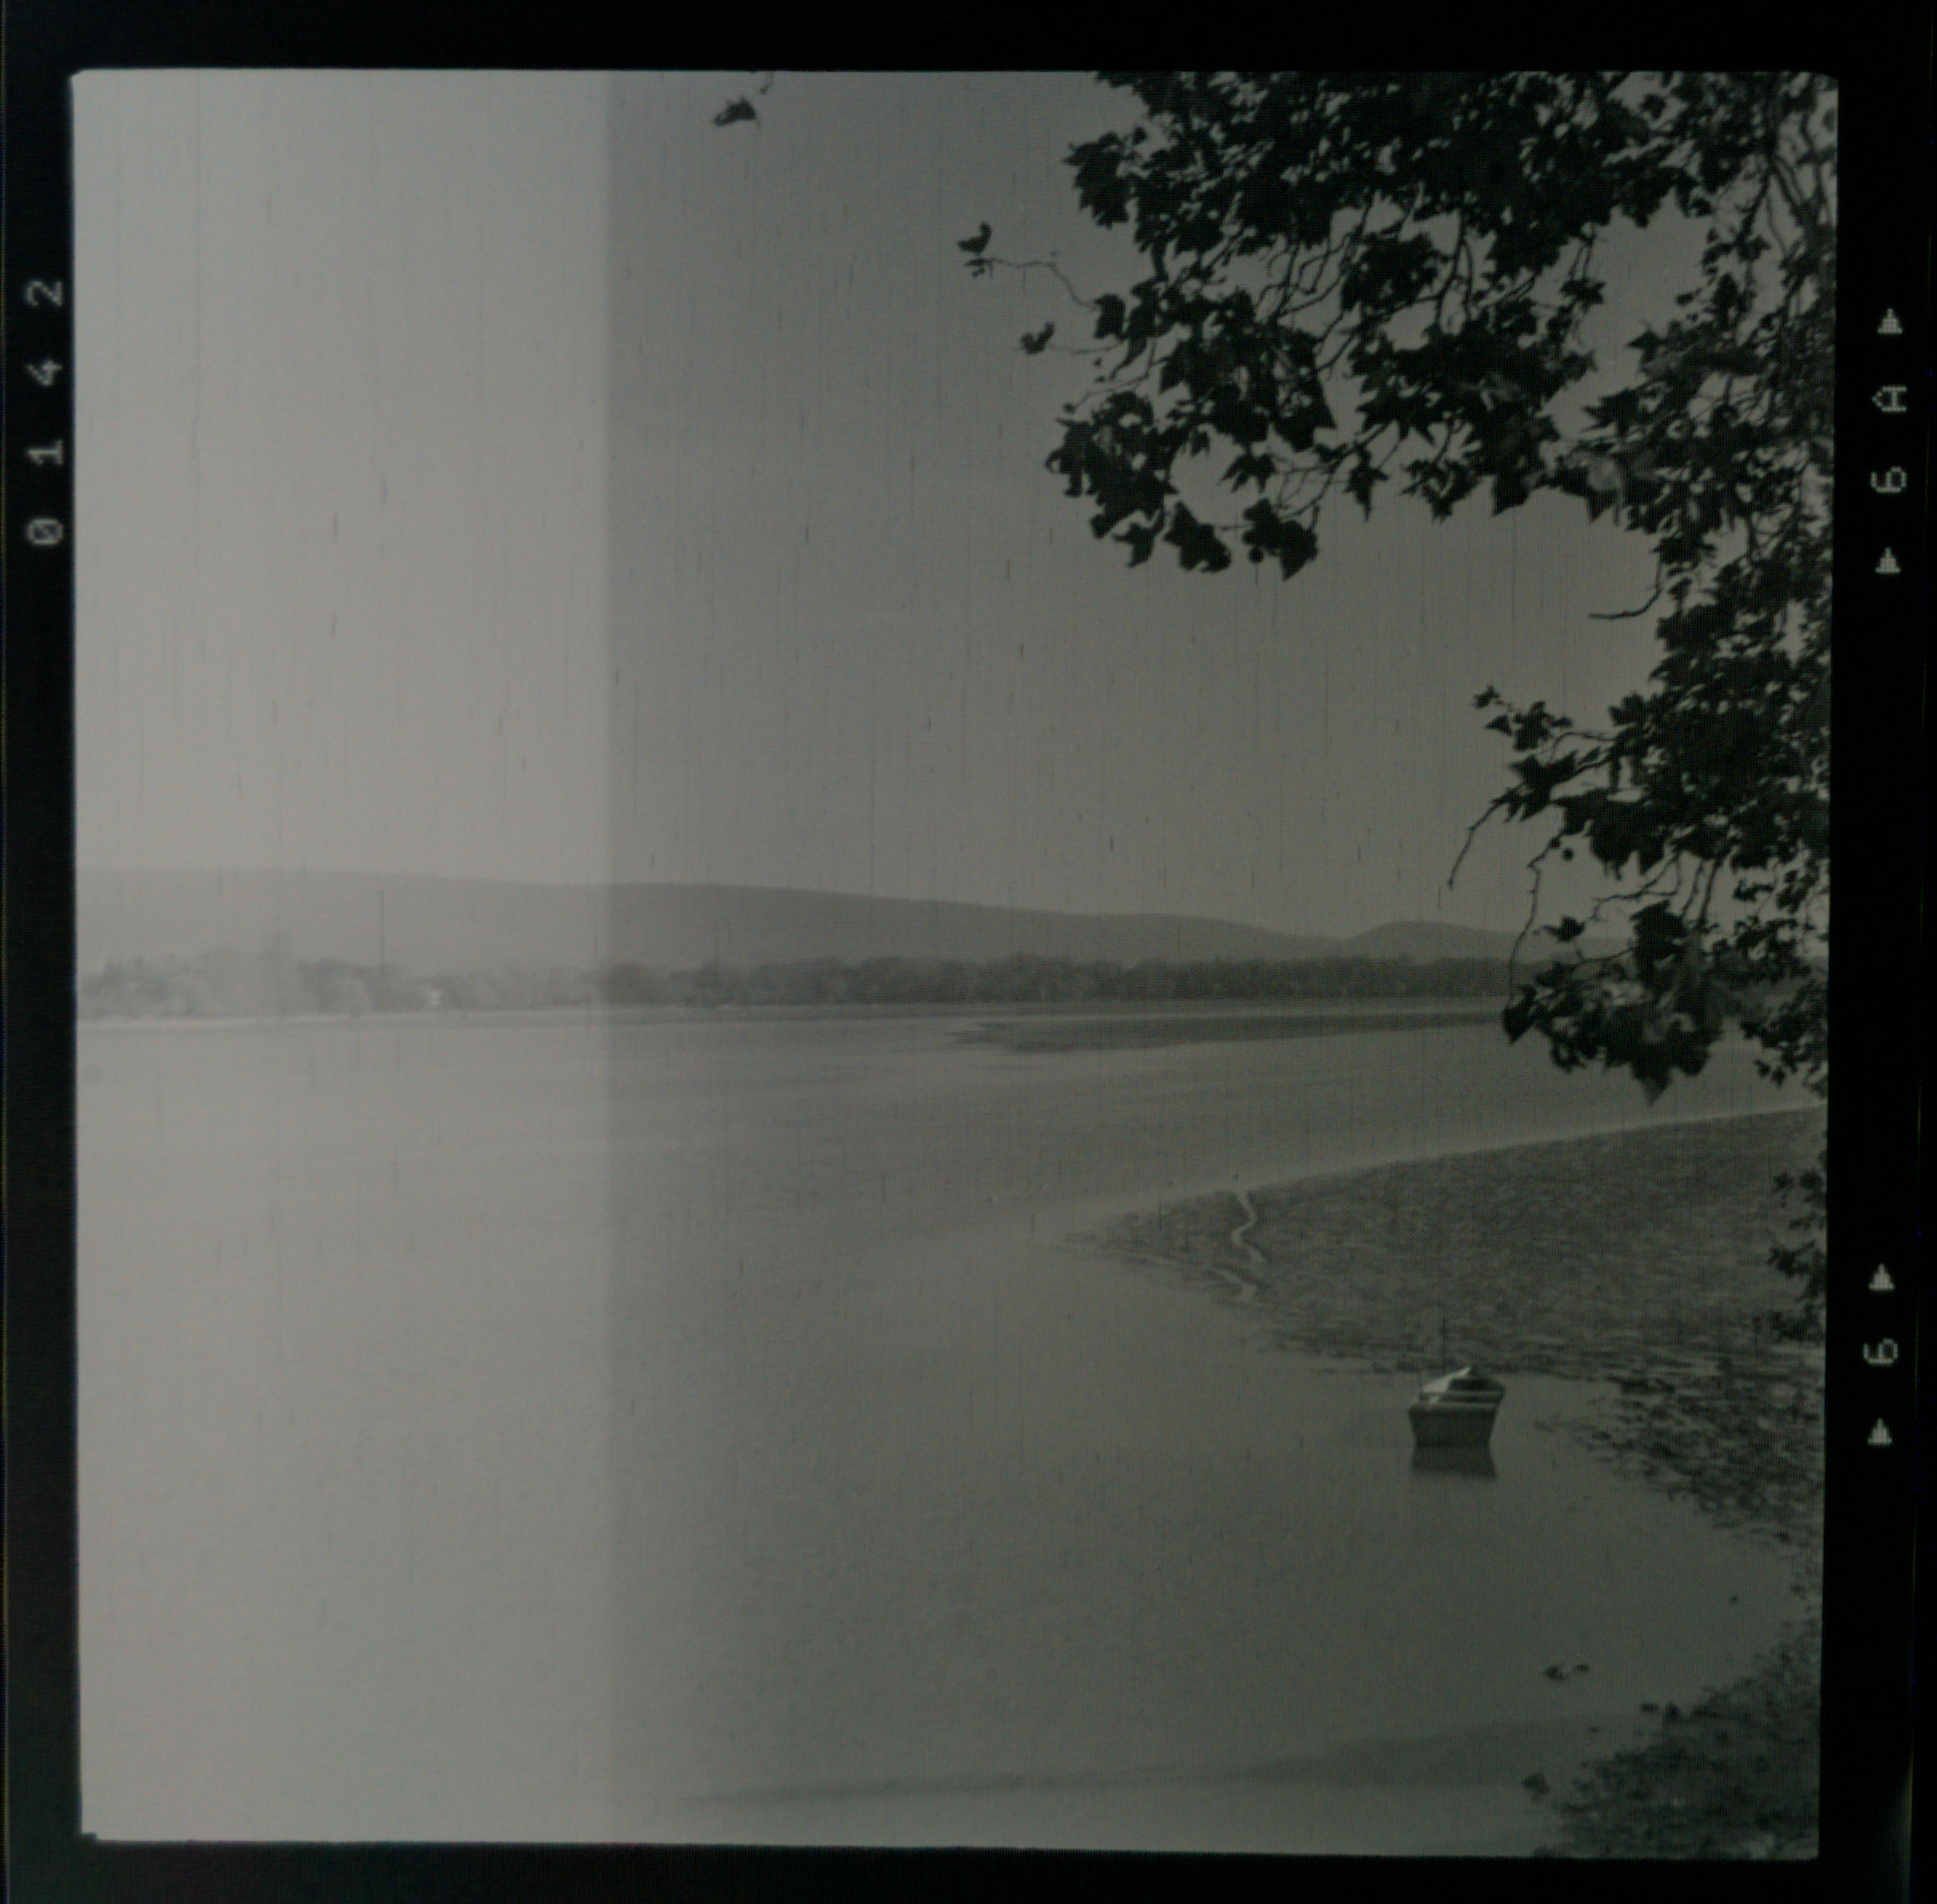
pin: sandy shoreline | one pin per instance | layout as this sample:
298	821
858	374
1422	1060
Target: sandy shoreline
1635	1262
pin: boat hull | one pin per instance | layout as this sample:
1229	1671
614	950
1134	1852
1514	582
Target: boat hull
1450	1424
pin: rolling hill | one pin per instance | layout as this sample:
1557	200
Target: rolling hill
430	924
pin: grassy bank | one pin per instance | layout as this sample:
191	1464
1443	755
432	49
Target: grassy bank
1636	1261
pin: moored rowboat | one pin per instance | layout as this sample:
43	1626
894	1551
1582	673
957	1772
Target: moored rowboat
1456	1410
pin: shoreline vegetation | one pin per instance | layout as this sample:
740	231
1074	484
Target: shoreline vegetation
1636	1261
224	983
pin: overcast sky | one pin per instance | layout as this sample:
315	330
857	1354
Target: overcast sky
518	476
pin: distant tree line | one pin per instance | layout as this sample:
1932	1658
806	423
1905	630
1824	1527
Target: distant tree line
1027	979
226	984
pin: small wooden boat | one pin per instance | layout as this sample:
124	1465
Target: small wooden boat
1456	1410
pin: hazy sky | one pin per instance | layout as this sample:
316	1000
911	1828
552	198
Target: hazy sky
519	476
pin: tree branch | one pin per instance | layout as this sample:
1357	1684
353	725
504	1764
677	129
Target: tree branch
1632	614
983	265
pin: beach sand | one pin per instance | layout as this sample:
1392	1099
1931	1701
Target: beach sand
1636	1264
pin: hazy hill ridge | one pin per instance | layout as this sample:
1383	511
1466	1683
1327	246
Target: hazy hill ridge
429	925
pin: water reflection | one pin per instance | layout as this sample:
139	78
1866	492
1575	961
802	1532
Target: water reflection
1474	1461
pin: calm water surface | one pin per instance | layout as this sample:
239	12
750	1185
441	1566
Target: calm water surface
704	1428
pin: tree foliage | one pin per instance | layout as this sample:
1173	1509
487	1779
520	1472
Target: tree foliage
1386	281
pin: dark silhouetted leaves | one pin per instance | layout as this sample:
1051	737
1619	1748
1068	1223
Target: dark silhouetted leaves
1197	545
1358	279
1288	541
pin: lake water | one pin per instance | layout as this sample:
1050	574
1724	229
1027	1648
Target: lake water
703	1429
